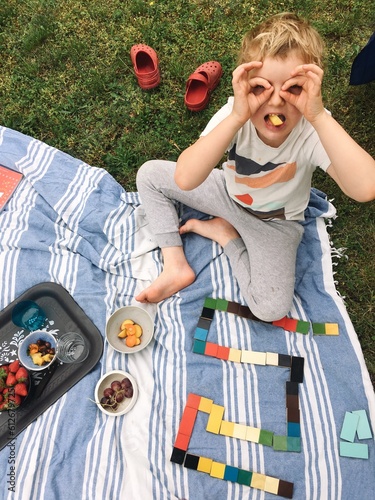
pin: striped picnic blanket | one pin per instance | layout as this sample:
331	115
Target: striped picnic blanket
73	224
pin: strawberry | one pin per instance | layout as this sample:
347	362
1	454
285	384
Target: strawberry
22	374
2	384
4	406
20	389
13	367
1	398
14	401
11	380
4	370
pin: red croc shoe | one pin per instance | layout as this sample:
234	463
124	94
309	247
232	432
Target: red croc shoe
146	66
201	83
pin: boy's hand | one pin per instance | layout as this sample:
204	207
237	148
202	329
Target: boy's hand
307	79
249	93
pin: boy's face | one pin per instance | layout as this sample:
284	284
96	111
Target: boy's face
276	72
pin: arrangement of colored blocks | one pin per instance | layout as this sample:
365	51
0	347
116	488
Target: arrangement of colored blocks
355	424
289	324
217	425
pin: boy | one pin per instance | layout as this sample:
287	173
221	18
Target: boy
277	132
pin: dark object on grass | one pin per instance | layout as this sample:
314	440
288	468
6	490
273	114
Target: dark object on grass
363	68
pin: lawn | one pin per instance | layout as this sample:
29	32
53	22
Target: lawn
66	79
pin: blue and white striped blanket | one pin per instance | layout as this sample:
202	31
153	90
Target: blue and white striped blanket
73	224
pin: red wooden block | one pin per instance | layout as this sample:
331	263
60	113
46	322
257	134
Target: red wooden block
290	324
193	401
188	421
223	352
280	322
211	349
182	441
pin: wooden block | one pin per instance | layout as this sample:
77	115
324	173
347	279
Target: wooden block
230	474
211	349
303	327
199	346
285	489
223	352
271	485
205	405
226	428
252	434
280	443
272	358
234	355
217	470
292	388
280	322
239	431
182	441
349	426
293	415
266	438
293	429
244	477
187	421
353	450
296	371
258	481
285	360
292	401
233	307
204	323
201	334
207	313
193	401
332	329
204	465
253	357
319	328
293	443
221	305
215	418
178	456
210	303
290	324
191	461
363	428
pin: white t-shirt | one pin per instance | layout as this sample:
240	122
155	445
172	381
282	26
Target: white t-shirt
271	182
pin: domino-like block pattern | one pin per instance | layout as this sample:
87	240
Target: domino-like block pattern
289	324
217	425
355	424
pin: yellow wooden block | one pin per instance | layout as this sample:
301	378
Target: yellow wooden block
205	405
272	358
226	428
215	418
234	355
240	431
332	329
272	485
205	464
258	481
253	357
252	434
217	470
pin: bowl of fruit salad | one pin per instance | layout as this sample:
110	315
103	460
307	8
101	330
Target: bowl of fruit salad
130	329
37	351
14	385
116	393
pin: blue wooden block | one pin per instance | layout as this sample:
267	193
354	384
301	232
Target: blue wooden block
349	426
230	473
201	334
294	429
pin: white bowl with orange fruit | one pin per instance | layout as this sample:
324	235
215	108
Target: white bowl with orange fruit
130	329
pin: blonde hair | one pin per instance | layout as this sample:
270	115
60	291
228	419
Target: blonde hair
279	35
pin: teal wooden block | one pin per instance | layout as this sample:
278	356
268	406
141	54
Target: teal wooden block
353	450
244	477
199	346
210	303
293	443
363	428
230	473
294	429
349	426
280	443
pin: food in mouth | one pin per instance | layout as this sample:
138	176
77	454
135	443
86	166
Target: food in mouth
276	120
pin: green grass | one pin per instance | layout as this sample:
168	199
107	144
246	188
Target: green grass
66	78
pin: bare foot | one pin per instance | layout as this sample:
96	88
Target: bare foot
176	275
216	229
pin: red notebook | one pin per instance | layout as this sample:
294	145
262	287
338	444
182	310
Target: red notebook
9	180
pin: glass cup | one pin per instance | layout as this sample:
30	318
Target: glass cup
27	314
72	348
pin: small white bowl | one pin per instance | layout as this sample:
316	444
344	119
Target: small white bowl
139	316
105	382
32	338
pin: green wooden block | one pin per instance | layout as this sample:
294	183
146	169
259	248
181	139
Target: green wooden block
319	328
210	303
280	443
199	346
221	305
244	477
303	327
266	438
293	443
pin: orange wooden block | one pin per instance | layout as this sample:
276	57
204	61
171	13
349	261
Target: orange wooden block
193	401
211	349
223	352
188	421
182	441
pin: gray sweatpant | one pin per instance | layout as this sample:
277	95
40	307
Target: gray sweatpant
263	259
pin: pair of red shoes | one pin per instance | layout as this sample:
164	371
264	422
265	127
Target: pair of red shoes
199	86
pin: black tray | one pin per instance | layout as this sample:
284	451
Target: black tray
47	386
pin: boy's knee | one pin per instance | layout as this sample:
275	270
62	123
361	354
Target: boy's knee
271	311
